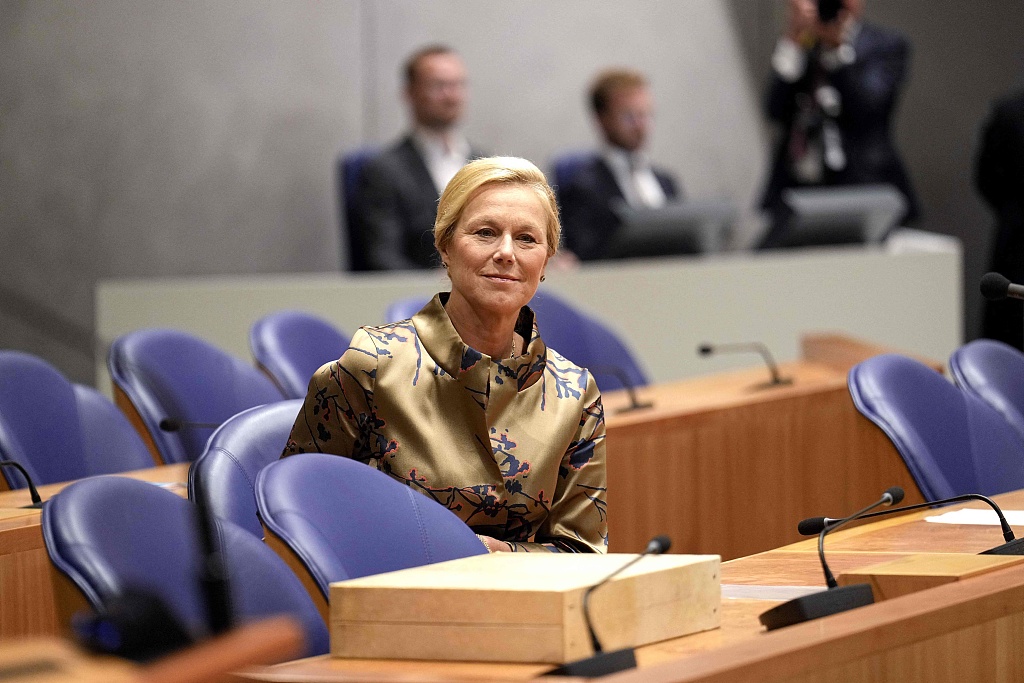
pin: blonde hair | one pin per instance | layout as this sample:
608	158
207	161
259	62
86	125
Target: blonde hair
489	170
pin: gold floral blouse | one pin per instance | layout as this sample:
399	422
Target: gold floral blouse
514	447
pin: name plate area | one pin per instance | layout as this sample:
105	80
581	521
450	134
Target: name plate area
926	570
522	607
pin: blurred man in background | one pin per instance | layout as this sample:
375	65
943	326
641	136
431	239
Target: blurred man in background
621	172
398	191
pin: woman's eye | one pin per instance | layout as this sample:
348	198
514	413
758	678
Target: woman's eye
485	232
527	238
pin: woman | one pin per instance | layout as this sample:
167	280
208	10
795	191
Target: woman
463	401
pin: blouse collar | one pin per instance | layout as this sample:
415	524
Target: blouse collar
438	336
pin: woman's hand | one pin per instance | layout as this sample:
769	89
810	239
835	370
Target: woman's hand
494	545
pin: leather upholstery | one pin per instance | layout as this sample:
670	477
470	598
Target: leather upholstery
224	476
109	533
952	442
59	431
172	374
344	519
291	345
994	372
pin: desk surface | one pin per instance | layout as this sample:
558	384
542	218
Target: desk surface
793	565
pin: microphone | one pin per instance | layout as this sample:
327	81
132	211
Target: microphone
173	424
37	502
603	663
627	384
743	347
995	286
835	599
1012	546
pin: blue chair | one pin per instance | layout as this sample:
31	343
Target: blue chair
59	431
565	165
951	441
582	339
182	388
334	518
292	345
224	476
402	309
994	372
109	534
348	171
587	342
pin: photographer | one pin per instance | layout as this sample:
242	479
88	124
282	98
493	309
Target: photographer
835	83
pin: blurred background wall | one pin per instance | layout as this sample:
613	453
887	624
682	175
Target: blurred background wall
146	139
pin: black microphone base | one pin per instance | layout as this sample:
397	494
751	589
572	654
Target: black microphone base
601	664
781	382
817	605
635	406
1014	547
32	506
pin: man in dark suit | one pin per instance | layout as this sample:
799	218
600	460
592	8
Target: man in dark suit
835	83
619	172
999	176
396	202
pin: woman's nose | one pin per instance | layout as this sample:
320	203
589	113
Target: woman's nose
505	250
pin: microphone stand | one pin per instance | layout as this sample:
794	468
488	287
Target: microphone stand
777	380
37	501
627	384
836	598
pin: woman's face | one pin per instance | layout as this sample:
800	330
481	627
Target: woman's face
498	252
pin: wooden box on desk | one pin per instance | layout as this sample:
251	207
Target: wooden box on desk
522	607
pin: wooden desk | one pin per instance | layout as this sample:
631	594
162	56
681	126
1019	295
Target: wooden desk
725	467
958	632
27	606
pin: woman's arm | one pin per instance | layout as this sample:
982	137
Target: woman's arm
337	414
578	521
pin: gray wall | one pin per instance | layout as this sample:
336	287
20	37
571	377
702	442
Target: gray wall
143	139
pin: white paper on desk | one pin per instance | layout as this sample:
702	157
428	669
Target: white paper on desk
978	517
736	591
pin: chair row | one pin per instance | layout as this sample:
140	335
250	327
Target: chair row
955	439
329	519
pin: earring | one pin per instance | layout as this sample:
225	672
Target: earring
543	278
444	265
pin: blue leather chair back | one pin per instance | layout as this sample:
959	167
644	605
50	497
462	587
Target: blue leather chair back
59	431
348	171
566	165
224	476
404	309
585	341
110	533
344	519
292	345
994	372
172	374
952	442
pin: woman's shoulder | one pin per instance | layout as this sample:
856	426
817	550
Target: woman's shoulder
571	380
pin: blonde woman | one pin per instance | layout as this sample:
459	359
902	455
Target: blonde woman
463	401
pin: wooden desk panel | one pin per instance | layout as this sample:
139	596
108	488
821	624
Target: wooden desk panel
28	606
728	469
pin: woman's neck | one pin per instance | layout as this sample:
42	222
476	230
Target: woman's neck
493	335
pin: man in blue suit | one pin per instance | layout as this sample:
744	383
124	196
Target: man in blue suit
835	84
396	201
620	172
